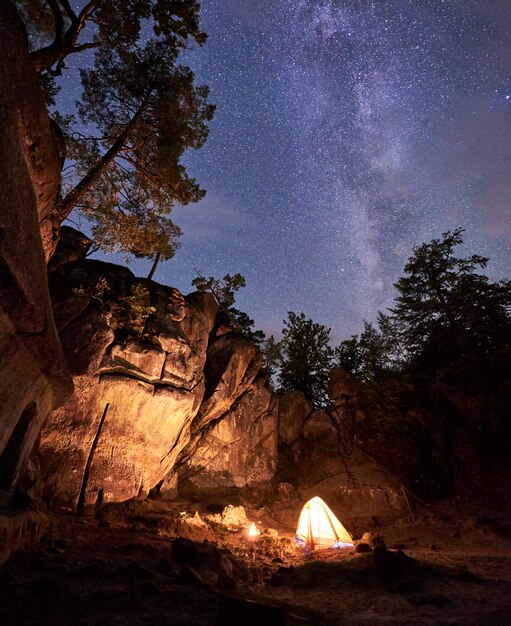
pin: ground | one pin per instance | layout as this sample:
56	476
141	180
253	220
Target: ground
122	569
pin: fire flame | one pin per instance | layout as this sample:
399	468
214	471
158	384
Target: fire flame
252	531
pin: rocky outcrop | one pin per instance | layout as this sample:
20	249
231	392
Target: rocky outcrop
343	388
72	246
231	365
33	374
32	164
135	398
140	400
318	454
294	409
238	455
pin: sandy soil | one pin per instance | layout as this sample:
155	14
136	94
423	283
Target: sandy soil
121	569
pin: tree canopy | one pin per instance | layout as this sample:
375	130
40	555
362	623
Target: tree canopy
224	289
306	358
138	113
443	302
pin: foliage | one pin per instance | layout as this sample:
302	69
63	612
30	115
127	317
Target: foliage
434	368
128	316
272	354
101	288
140	110
306	358
224	290
445	307
443	310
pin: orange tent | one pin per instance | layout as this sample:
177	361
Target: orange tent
318	527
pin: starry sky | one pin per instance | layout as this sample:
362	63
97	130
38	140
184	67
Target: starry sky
346	132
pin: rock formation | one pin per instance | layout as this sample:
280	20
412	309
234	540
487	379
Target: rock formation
140	400
33	374
135	397
177	407
319	456
238	455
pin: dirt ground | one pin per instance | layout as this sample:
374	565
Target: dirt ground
449	564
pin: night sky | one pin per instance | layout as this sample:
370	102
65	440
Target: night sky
346	132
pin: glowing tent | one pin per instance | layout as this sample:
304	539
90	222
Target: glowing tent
318	527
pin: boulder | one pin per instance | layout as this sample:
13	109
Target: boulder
319	426
294	409
343	388
72	246
239	453
33	375
232	363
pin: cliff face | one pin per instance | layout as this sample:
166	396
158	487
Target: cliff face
138	400
33	374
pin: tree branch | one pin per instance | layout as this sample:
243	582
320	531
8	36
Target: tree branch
64	43
67	204
59	22
67	8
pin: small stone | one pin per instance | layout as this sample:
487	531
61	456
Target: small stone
226	582
271	532
362	547
185	551
208	553
389	565
372	539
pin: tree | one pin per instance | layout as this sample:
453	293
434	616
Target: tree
138	113
306	358
224	290
374	353
272	354
444	307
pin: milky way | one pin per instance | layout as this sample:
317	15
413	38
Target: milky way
346	132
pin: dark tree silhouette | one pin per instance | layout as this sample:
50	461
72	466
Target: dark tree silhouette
306	358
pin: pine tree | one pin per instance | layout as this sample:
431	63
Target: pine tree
138	113
306	358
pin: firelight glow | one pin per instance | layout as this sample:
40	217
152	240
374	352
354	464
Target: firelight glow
252	531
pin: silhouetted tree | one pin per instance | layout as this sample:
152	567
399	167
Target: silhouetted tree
272	354
306	358
444	308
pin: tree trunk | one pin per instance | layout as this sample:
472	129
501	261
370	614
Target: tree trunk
67	204
154	266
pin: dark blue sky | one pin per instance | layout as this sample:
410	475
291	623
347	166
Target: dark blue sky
346	132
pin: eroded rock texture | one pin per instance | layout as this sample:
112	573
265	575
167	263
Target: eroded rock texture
140	400
33	375
135	397
238	454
